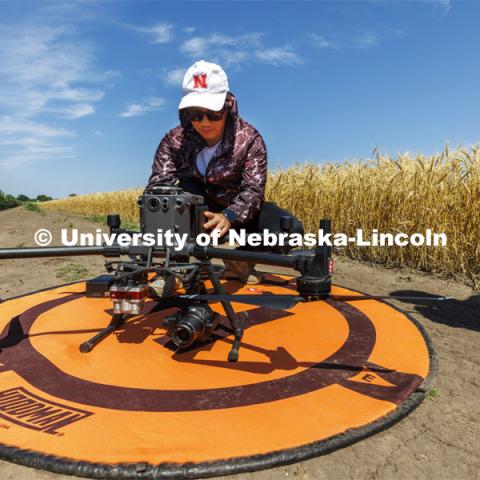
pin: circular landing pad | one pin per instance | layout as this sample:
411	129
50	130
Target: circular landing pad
311	379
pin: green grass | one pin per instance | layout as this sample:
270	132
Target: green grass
98	219
432	394
73	272
126	224
33	207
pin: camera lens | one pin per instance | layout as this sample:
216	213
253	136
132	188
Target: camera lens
153	204
184	335
191	326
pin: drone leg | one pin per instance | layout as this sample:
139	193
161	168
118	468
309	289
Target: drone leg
238	324
117	320
238	332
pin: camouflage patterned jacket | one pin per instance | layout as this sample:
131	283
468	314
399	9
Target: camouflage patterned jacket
237	173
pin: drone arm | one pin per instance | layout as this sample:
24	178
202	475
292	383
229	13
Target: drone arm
206	253
11	253
106	251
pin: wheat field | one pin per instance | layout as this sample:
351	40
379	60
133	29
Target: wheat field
409	194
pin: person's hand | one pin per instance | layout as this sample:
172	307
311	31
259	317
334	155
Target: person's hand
217	221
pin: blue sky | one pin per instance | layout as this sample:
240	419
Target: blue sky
88	89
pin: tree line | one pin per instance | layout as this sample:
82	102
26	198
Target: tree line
10	201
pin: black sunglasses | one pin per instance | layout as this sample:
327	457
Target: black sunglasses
196	115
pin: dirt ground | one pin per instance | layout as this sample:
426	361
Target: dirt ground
439	440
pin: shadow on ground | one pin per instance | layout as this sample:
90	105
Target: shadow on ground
454	313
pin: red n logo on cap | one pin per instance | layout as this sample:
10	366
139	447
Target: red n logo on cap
200	81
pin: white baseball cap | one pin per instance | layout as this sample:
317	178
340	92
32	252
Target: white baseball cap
204	85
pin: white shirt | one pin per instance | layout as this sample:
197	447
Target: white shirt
204	157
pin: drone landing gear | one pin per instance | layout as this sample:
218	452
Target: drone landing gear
117	321
238	332
237	322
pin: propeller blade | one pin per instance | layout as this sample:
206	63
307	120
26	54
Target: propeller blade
275	302
285	302
348	298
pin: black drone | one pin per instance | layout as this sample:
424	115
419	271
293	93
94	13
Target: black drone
168	276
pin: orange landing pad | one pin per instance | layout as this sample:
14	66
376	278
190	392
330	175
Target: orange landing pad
309	380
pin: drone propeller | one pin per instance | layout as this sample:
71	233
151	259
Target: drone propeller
348	298
284	302
275	302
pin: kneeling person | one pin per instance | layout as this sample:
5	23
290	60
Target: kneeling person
217	154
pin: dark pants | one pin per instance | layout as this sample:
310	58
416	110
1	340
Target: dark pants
268	218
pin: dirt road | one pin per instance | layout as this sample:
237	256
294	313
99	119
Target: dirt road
439	440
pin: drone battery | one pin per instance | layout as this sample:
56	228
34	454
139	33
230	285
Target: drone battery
99	287
128	299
